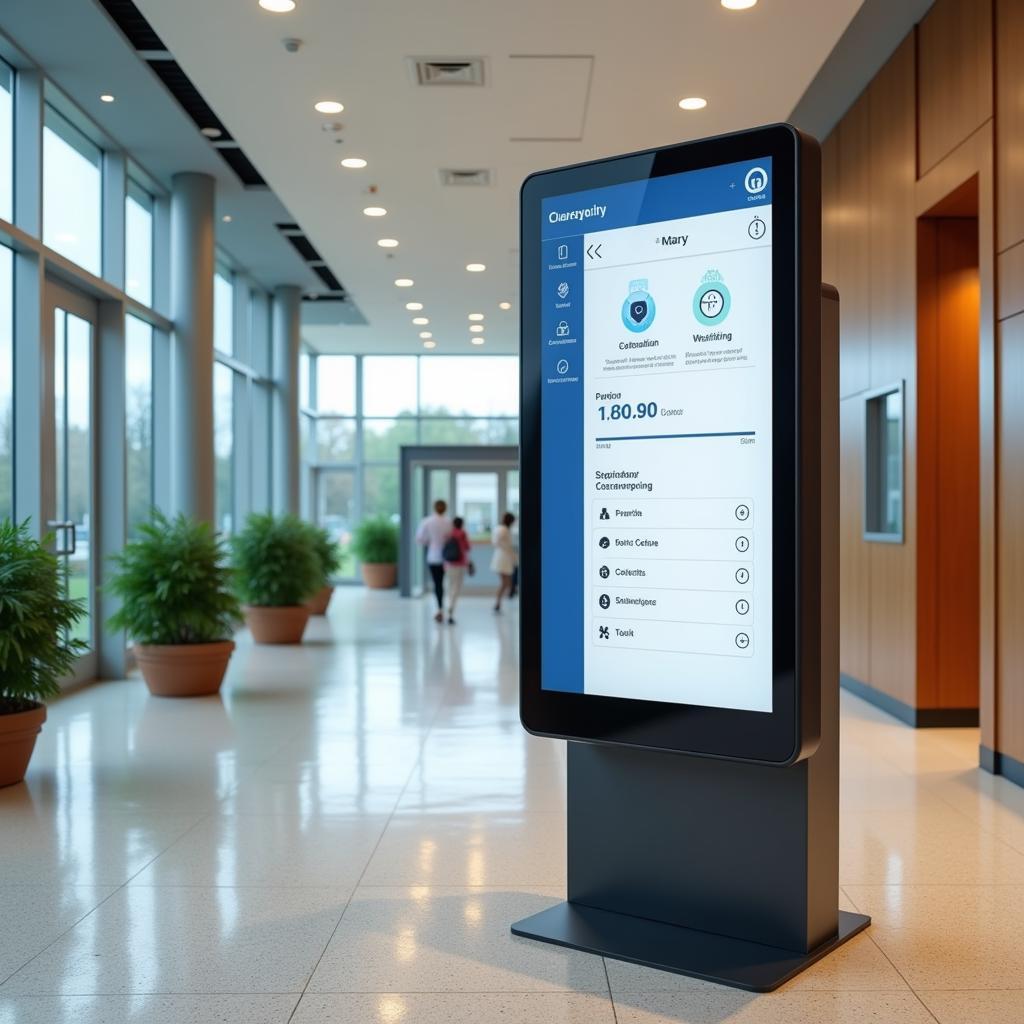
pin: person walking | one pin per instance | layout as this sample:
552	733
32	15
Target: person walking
456	564
432	534
503	562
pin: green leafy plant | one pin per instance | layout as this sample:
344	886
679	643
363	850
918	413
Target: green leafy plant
376	540
36	618
275	561
327	551
174	584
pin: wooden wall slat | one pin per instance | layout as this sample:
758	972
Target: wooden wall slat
1010	271
854	564
1009	730
853	247
954	76
893	348
1010	137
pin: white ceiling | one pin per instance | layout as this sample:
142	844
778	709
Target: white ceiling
753	66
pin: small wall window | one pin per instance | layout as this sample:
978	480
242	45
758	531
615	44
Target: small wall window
883	486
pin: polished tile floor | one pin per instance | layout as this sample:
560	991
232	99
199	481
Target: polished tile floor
347	833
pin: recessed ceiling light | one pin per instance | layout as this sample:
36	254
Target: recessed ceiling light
354	163
693	103
421	321
414	306
738	5
475	328
475	268
226	218
476	316
404	282
504	305
387	243
375	211
426	334
478	341
106	98
211	133
430	344
278	6
328	107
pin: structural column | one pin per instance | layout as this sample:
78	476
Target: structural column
192	268
286	342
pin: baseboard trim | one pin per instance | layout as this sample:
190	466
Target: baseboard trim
1001	764
916	718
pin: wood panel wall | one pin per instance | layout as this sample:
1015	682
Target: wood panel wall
922	128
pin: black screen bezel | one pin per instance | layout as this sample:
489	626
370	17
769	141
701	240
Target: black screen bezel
789	732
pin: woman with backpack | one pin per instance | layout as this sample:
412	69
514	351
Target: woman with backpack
456	563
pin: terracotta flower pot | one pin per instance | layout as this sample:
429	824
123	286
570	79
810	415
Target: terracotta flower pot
380	575
276	625
318	603
18	734
184	670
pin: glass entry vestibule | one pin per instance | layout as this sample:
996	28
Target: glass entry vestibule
480	483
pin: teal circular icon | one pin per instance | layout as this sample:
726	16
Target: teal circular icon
638	311
712	301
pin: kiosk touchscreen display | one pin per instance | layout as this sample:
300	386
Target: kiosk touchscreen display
656	402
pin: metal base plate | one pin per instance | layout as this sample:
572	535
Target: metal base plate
717	958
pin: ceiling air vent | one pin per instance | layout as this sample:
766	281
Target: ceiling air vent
458	71
457	178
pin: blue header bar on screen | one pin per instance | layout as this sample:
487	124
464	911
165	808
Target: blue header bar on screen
708	190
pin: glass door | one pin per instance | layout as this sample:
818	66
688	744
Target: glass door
72	318
476	500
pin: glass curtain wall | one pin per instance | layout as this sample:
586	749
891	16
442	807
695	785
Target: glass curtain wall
358	411
242	400
72	193
138	425
6	142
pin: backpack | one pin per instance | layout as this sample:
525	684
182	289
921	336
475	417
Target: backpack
452	551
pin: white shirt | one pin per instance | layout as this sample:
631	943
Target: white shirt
433	532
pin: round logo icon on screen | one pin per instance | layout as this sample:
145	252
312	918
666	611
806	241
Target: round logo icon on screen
604	542
712	300
605	572
755	180
638	309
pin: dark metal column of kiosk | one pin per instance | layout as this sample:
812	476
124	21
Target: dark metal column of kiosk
716	869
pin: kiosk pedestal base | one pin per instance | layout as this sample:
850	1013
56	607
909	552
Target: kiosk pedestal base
717	958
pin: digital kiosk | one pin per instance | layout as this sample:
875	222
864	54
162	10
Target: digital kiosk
679	552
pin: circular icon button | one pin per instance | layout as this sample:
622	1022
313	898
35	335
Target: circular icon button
712	303
742	544
604	600
604	572
742	641
742	513
742	575
756	228
562	366
742	606
604	542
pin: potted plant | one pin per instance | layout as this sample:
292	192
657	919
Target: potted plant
36	647
329	555
177	605
276	571
375	543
